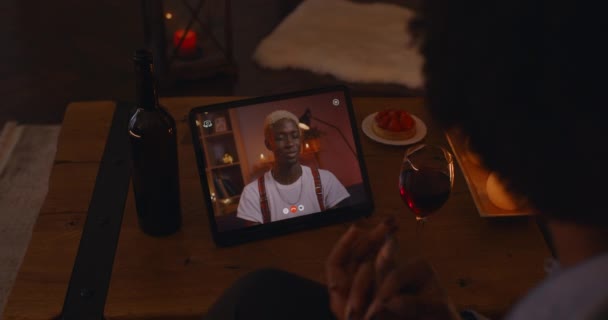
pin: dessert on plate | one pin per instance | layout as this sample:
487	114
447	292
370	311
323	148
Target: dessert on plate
393	124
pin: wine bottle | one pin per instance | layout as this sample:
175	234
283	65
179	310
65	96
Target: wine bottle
153	142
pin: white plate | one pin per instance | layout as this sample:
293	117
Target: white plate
366	126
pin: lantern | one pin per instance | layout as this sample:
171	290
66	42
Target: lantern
190	39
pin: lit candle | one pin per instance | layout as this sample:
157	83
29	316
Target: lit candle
307	146
188	46
262	156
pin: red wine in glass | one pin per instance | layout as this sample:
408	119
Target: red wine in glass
424	190
426	179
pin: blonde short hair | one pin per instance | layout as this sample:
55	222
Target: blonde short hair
275	117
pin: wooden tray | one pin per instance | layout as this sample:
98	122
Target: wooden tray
476	178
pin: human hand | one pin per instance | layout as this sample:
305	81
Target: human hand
354	253
378	286
410	291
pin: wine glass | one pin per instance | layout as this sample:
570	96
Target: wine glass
426	180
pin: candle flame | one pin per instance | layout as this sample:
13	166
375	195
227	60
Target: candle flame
262	156
307	146
168	15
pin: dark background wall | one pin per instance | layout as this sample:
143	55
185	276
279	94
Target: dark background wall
55	52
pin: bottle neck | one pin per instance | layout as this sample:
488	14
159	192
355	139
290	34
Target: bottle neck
146	96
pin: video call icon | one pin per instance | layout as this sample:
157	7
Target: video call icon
293	209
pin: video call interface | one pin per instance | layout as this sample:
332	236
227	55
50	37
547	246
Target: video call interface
280	160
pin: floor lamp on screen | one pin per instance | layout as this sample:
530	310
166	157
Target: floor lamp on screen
307	117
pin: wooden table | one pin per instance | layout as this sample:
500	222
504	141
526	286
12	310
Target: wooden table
485	264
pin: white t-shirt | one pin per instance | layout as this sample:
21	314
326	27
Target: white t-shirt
282	199
578	292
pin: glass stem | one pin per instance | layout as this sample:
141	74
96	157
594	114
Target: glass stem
420	222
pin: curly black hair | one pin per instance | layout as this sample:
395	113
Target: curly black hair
525	80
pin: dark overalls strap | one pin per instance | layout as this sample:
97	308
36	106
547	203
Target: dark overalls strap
263	200
318	187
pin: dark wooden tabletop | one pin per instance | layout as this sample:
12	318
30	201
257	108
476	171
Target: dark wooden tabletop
485	264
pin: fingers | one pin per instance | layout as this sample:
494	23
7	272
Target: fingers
361	291
354	248
386	260
368	275
365	280
338	280
367	248
408	279
342	249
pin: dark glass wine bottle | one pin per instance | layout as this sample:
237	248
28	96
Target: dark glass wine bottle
153	141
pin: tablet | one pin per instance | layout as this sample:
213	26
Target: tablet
276	164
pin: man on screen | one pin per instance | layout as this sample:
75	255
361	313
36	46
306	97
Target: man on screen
289	189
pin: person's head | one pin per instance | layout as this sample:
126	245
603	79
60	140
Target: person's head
282	136
525	82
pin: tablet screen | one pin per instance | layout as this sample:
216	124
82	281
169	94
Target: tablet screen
267	160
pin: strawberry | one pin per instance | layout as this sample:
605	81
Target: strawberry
394	125
405	120
383	123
